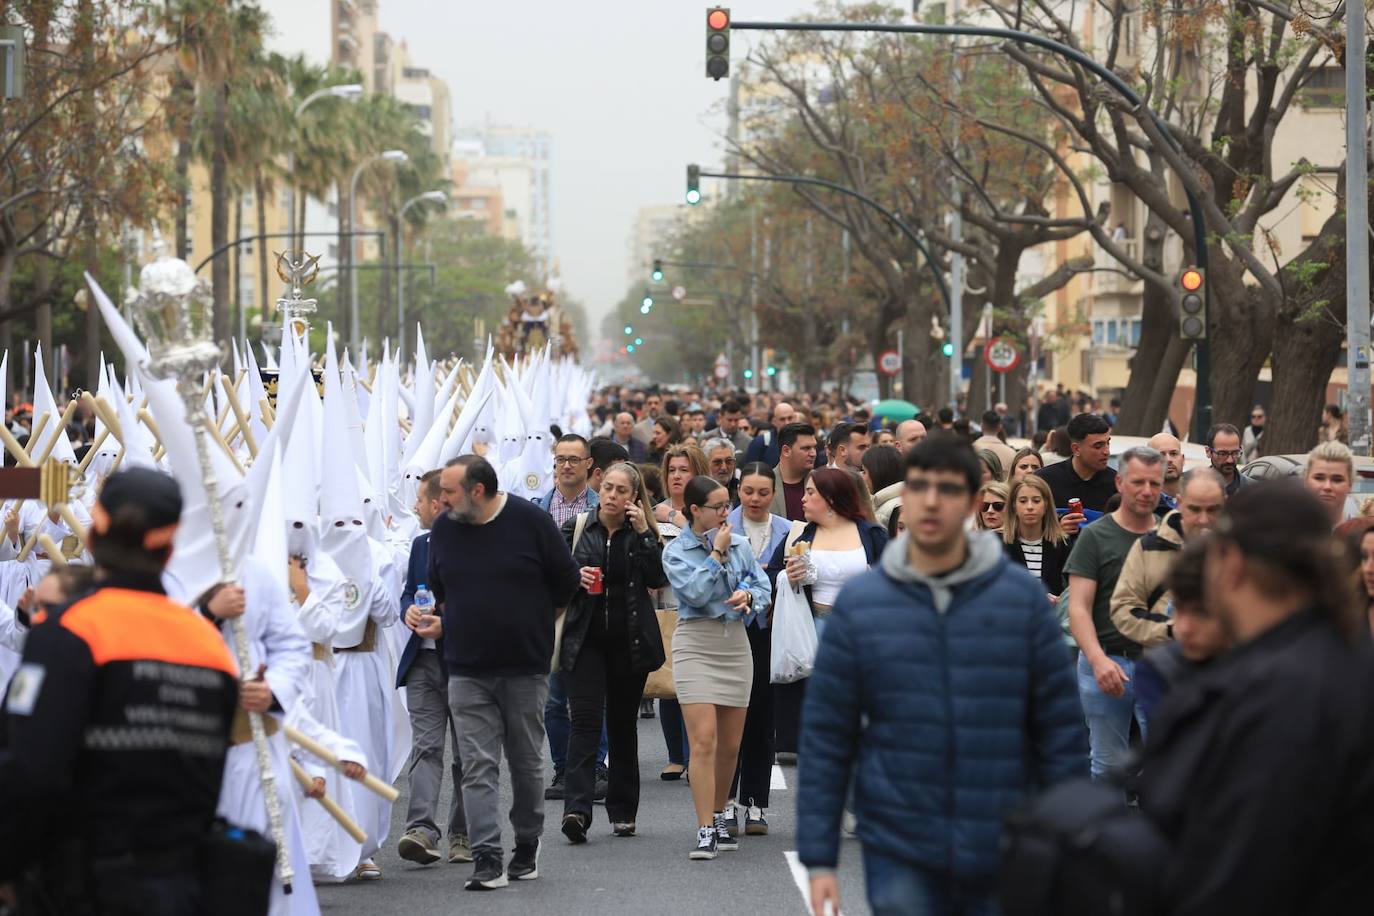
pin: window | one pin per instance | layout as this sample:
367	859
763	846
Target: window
1135	333
1324	88
1099	333
1111	332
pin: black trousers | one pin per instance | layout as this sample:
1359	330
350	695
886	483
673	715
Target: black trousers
601	687
787	709
754	774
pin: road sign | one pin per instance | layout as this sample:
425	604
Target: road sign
890	362
722	366
1002	355
679	293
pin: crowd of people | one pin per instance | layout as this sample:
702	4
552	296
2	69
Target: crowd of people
994	618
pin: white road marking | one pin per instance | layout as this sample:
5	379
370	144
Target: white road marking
778	783
802	879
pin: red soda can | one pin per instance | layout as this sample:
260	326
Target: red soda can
595	588
1075	506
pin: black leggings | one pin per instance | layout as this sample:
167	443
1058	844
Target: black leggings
754	774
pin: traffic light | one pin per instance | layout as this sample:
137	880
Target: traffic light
947	349
717	43
748	374
771	370
630	348
639	341
693	184
1192	323
657	274
647	304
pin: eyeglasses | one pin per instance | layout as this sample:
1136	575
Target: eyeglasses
943	487
994	507
716	507
1257	416
1227	453
564	459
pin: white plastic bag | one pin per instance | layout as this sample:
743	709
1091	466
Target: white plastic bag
794	636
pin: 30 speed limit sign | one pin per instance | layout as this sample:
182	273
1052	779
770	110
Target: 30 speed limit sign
1002	355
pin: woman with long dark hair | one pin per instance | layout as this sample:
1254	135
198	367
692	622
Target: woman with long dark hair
666	434
883	470
720	589
1256	769
611	643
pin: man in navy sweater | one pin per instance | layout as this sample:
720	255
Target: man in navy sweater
423	675
501	573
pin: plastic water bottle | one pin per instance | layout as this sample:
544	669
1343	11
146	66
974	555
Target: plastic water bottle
424	599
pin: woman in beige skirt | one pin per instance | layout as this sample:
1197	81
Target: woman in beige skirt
720	589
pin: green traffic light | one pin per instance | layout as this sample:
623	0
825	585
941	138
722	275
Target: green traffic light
629	330
639	341
772	370
748	373
648	302
630	348
947	349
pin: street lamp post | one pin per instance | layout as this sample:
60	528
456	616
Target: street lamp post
438	197
348	91
354	328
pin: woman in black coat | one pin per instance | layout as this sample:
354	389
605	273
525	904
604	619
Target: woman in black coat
1033	536
610	645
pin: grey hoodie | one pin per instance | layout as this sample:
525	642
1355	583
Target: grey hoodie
984	553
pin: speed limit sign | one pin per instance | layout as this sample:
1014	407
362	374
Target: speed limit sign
1001	355
890	362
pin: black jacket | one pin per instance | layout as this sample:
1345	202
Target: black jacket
644	555
1052	560
1258	771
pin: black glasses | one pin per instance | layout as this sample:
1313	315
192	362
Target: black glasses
1227	453
994	507
565	459
947	488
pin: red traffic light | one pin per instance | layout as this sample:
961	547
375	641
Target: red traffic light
718	19
1191	279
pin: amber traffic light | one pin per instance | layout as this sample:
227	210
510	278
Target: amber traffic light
1192	320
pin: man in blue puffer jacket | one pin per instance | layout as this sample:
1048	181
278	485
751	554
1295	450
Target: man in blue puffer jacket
943	684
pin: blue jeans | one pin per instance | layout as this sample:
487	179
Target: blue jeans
558	726
1109	718
674	732
897	888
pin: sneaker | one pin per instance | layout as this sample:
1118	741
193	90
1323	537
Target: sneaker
368	871
625	828
575	828
602	783
458	849
706	844
487	872
755	824
646	709
555	790
524	862
418	846
732	818
724	841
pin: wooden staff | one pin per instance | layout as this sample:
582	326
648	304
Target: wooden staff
55	554
106	414
90	453
366	384
319	750
217	436
349	825
269	416
244	426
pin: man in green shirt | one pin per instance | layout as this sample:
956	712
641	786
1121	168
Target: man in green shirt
1106	660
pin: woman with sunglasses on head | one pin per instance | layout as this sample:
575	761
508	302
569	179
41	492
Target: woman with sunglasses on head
611	643
992	506
681	463
720	589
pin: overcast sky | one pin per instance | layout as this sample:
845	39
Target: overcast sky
621	85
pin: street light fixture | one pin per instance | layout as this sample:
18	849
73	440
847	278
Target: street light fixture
391	155
350	92
438	197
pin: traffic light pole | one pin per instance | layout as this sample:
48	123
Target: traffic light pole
1202	407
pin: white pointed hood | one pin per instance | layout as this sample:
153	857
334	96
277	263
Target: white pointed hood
269	542
343	534
43	402
138	443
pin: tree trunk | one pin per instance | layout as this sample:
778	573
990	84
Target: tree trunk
43	317
1308	340
219	211
264	280
91	355
183	105
344	275
1241	331
236	284
7	258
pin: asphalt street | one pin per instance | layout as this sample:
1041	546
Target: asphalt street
646	874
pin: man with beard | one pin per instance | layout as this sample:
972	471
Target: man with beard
1172	450
501	574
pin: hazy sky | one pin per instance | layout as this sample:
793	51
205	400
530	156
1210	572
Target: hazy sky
621	84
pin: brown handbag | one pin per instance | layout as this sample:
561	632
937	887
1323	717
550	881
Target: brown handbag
659	685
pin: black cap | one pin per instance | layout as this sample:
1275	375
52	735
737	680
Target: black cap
150	496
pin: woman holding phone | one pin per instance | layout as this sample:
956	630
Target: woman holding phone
720	588
611	643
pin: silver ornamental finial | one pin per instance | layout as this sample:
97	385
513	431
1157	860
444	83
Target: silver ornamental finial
173	309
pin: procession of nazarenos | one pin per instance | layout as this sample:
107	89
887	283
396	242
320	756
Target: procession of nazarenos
298	476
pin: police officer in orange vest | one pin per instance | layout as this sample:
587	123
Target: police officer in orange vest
115	730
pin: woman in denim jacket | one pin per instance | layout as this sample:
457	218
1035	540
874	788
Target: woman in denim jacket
720	589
